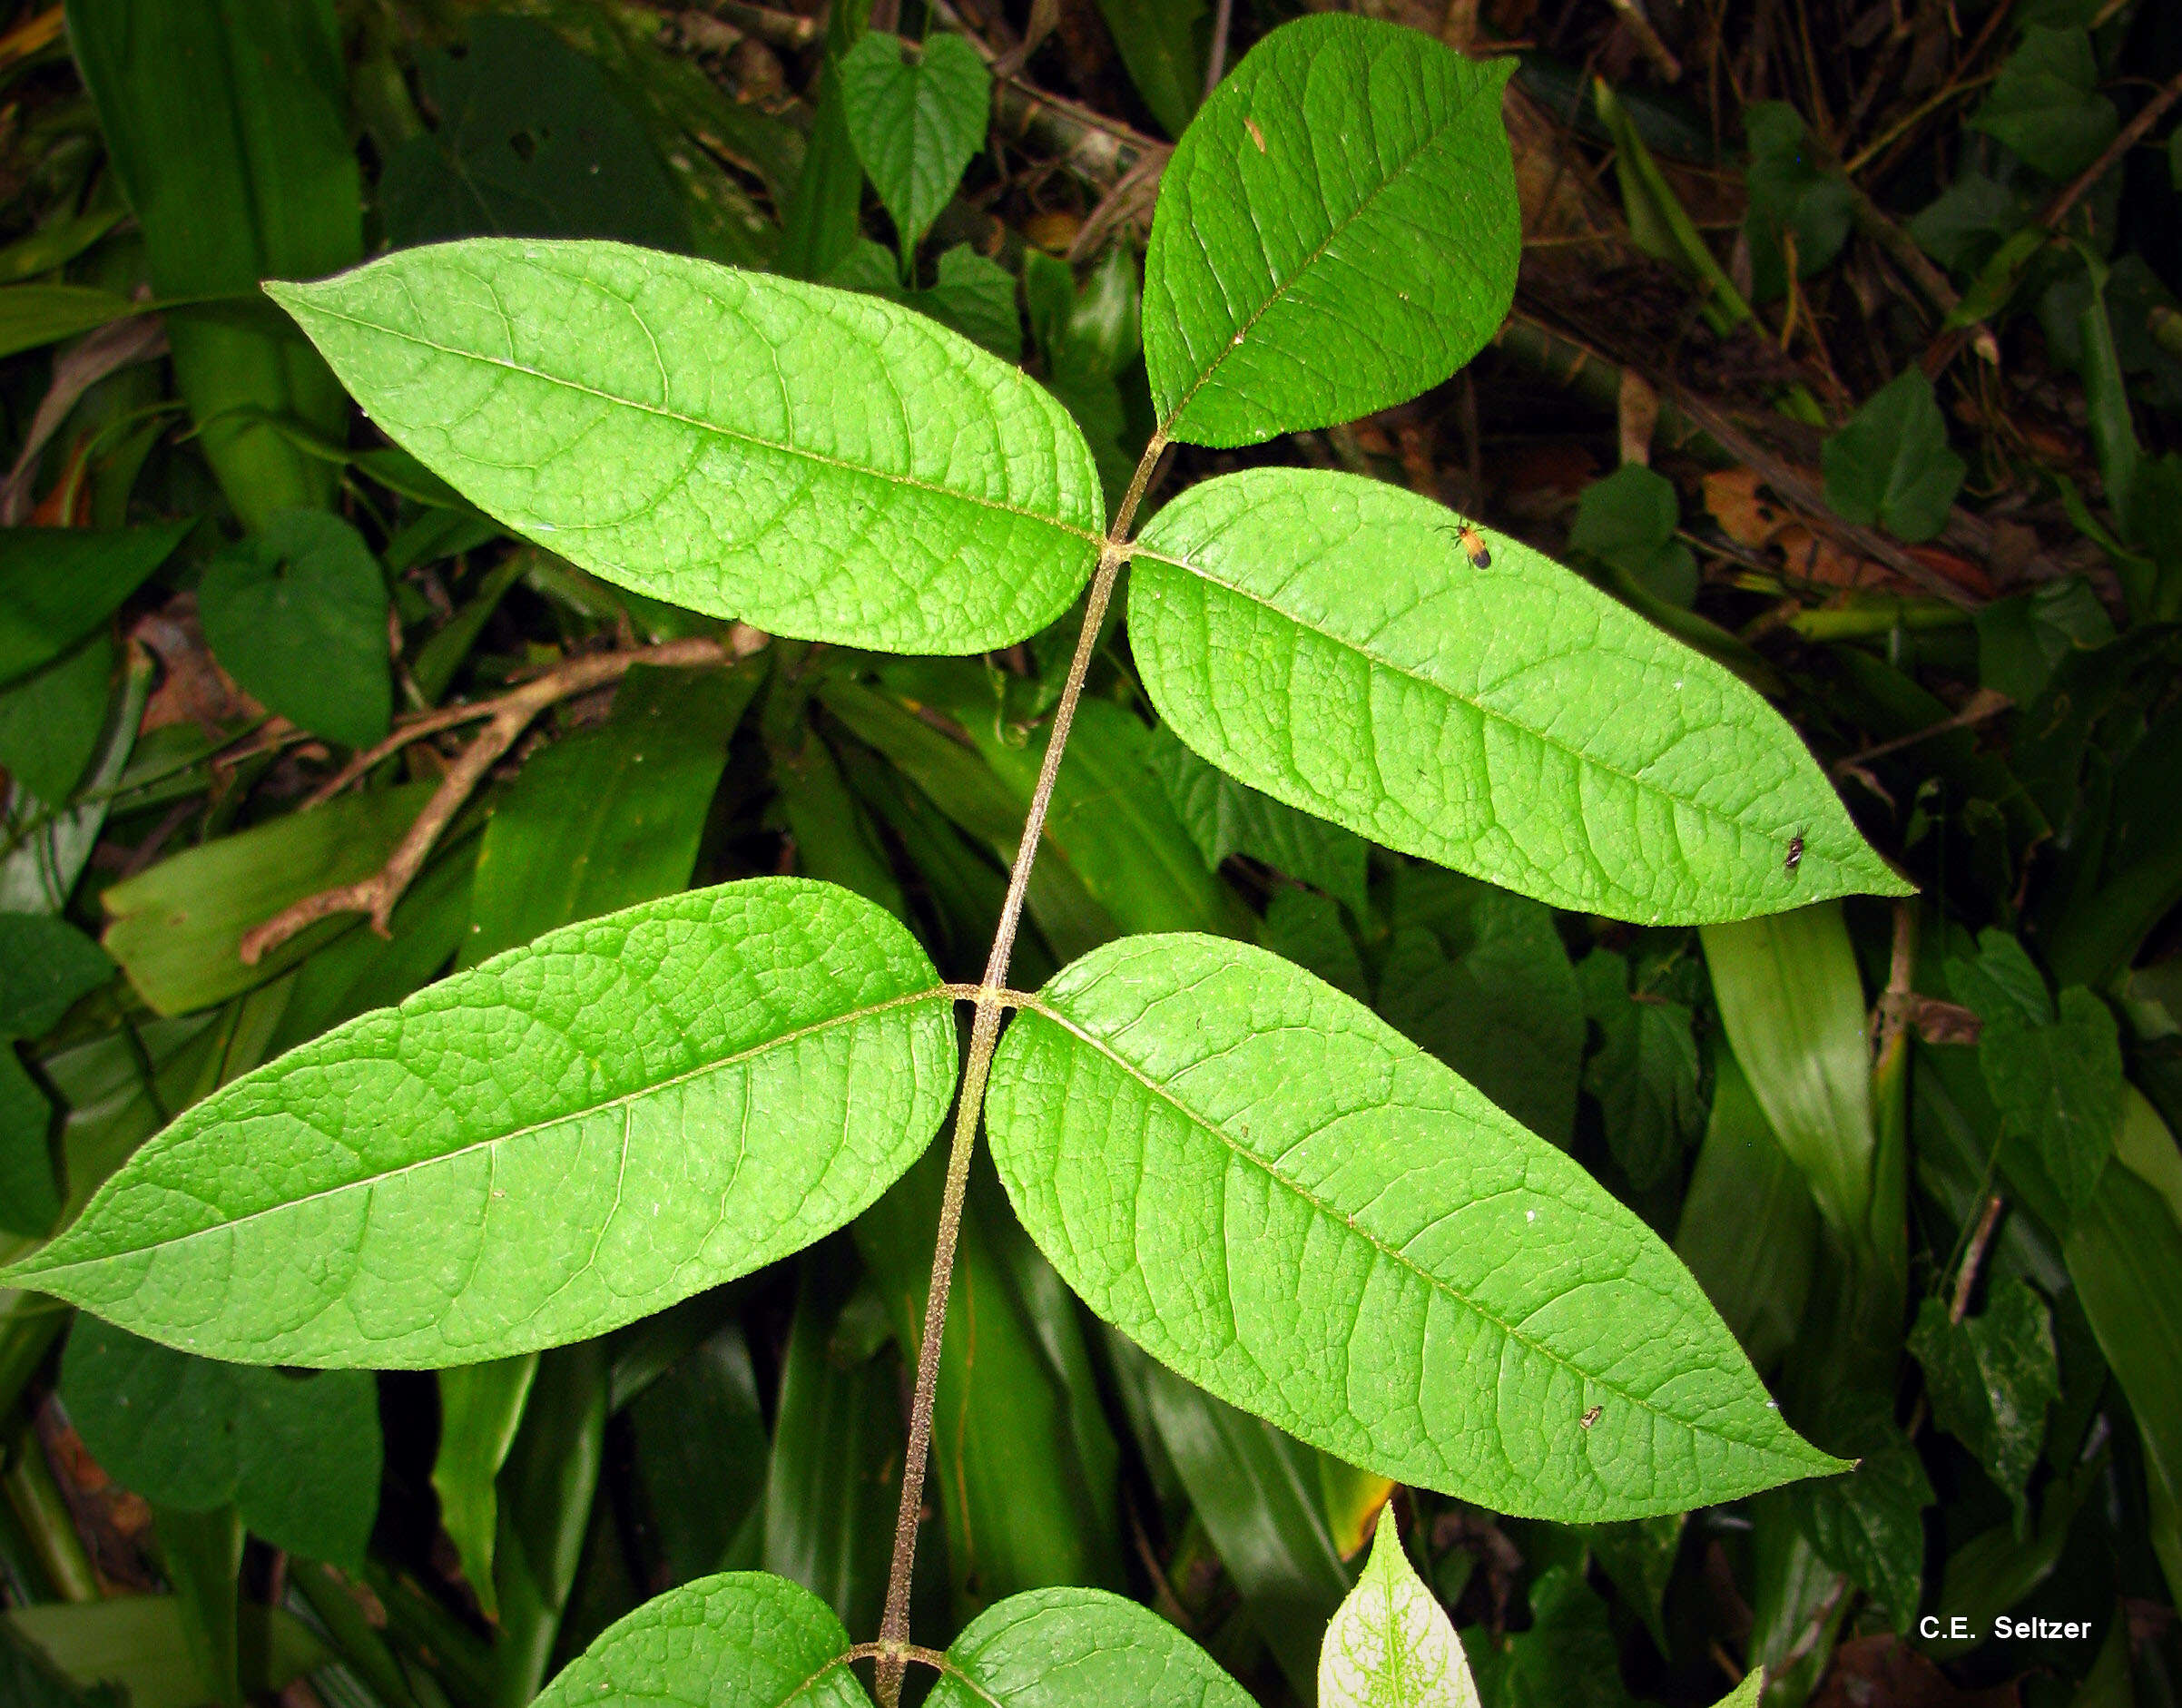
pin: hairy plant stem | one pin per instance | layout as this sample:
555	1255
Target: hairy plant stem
993	1001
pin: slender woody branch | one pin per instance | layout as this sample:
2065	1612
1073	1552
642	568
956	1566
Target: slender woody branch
505	717
985	1034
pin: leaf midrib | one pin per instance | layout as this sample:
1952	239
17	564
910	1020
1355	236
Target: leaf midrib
1493	713
626	1100
1037	1004
734	435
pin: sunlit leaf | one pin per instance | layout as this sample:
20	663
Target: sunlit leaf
1336	232
558	1142
1239	1167
1391	1645
818	463
1332	641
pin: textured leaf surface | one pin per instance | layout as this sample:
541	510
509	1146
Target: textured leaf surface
916	112
821	463
1274	1194
741	1640
45	964
1391	1646
1079	1648
1336	232
1327	639
565	1139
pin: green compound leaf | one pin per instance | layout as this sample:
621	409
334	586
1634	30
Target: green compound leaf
1336	232
1241	1168
1328	640
569	1137
1391	1645
1078	1648
741	1640
821	463
916	113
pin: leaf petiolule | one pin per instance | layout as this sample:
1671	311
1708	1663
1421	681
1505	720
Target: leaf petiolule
743	1638
1078	1648
571	1137
1331	640
821	463
1278	1196
1336	232
1390	1644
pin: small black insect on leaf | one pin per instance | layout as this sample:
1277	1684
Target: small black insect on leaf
1591	1417
1795	855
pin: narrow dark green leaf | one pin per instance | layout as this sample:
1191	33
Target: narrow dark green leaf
2125	1257
547	1146
227	130
1336	232
834	1479
917	112
1990	1378
480	1405
297	1457
1748	1225
1024	1511
1891	465
1257	1493
51	720
1078	1648
549	1487
700	1458
1329	640
32	316
1162	43
297	613
30	1202
677	427
63	582
135	1643
1236	1164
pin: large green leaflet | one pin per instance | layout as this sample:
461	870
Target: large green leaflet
1277	1195
1078	1648
740	1640
569	1137
1336	232
751	1639
821	463
1330	640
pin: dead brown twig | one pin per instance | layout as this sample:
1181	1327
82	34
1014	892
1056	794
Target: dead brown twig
505	717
